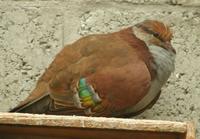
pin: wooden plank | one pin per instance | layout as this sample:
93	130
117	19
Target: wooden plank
190	134
37	132
92	122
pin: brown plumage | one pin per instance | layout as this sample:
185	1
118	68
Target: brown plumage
114	74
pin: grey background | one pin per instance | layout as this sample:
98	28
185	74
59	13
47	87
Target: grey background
32	32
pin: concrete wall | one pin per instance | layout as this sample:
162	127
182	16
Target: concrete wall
32	32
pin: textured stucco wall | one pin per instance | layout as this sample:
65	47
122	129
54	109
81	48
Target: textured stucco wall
32	32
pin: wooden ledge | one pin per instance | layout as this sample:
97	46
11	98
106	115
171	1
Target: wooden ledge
79	125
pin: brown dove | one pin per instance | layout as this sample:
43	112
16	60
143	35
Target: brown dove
117	74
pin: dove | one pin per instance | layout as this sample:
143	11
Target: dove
117	74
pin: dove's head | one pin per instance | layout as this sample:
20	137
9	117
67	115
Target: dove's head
156	33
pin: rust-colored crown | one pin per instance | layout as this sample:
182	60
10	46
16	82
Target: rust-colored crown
157	28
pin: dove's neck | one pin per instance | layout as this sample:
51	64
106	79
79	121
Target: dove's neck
163	60
163	64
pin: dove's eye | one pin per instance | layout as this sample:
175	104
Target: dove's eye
157	35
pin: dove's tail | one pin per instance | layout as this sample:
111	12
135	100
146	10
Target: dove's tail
39	98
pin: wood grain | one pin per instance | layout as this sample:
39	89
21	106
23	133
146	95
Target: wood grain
92	122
